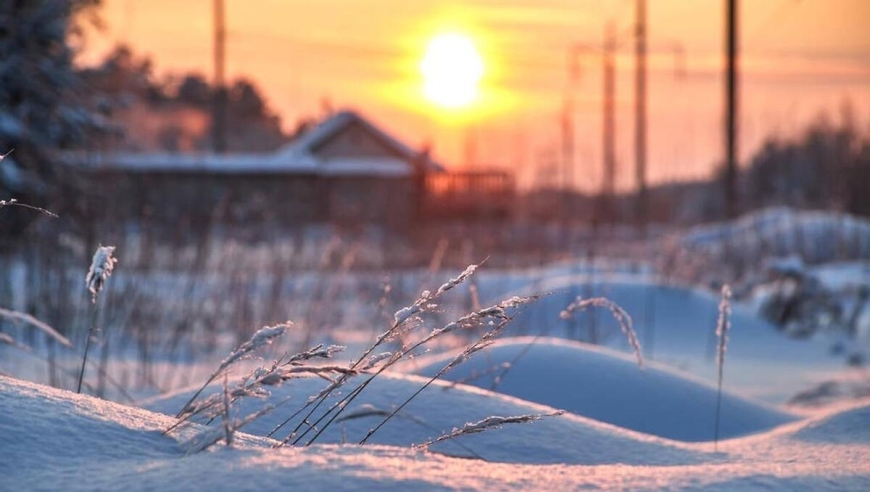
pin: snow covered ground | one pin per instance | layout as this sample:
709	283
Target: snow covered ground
441	407
676	325
606	386
793	417
59	439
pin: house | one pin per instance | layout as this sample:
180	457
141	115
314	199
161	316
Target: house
344	170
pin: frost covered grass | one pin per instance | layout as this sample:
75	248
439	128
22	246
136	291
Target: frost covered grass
406	333
102	266
264	336
186	298
308	396
619	314
723	326
494	422
15	203
311	398
19	317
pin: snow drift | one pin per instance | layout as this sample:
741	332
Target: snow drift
676	325
607	386
55	440
441	408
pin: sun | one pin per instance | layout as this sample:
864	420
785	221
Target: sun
452	68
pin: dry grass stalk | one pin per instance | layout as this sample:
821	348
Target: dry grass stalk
262	337
425	302
622	317
493	422
102	266
723	326
17	316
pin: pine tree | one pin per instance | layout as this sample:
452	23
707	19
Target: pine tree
43	106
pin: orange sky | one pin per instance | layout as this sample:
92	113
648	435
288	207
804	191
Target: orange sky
800	57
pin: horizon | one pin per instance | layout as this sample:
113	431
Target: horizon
800	60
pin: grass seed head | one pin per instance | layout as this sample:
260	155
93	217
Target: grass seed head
102	266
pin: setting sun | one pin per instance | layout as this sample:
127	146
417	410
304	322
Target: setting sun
452	68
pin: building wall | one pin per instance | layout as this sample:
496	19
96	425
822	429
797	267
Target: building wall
252	199
387	201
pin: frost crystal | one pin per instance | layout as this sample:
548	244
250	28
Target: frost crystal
453	282
403	314
101	269
262	337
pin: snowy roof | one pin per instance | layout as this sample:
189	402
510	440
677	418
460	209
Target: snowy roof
297	157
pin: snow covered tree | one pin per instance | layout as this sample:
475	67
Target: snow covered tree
43	107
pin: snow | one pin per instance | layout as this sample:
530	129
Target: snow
608	386
358	166
676	325
194	162
842	275
816	236
440	408
848	426
79	443
624	427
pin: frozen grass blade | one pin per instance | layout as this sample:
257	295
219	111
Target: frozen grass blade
253	384
467	321
422	304
225	415
619	314
45	328
496	312
723	326
102	266
6	339
493	422
15	203
264	336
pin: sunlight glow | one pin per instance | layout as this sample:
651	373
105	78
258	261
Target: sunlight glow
452	69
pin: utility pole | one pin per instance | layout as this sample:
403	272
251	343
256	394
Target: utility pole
567	126
219	109
608	185
567	155
640	117
731	208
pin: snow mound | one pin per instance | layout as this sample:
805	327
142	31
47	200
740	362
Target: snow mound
609	387
55	440
848	426
819	236
676	325
442	407
75	427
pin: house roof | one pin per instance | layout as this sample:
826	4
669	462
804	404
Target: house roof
300	156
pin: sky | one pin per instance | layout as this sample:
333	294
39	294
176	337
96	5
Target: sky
799	58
